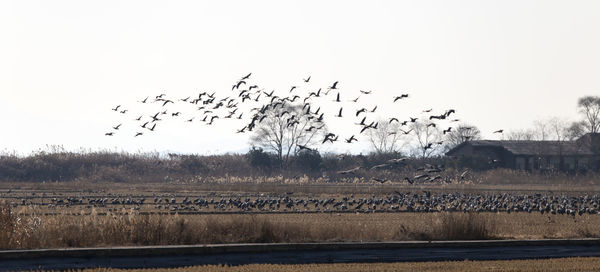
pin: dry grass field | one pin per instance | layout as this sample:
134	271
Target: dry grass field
565	264
57	231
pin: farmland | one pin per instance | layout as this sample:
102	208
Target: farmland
62	215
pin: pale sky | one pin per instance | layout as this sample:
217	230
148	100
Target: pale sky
499	64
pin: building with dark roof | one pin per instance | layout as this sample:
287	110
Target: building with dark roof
581	154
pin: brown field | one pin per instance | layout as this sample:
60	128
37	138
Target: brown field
564	264
36	224
56	231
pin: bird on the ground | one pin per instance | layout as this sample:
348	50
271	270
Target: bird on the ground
382	181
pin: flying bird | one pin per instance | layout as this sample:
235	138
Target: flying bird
499	131
117	127
246	77
334	86
307	80
396	98
361	111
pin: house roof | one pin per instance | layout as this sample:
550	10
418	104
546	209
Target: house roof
547	148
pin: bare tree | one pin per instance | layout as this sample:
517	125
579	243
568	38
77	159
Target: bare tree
541	129
520	135
386	137
558	128
589	107
576	130
461	134
284	128
427	138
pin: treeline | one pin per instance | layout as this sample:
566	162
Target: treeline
152	167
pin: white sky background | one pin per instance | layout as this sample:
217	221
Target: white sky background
500	64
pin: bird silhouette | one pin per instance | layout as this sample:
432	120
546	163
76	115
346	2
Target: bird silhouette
307	80
499	131
360	111
138	134
109	134
247	76
117	108
349	140
117	127
340	113
334	86
396	98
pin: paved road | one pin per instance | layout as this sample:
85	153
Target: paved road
176	256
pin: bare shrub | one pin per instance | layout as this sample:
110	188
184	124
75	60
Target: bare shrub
462	226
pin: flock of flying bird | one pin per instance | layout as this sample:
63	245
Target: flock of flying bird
209	108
